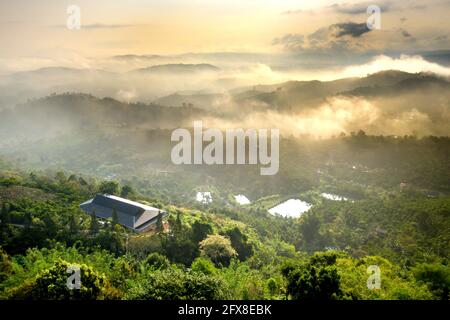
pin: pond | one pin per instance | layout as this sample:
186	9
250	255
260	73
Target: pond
241	199
333	197
204	197
292	208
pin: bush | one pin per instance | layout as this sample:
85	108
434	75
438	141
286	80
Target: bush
156	261
437	277
204	266
218	249
5	265
174	284
51	284
318	279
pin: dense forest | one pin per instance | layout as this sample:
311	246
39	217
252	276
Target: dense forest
219	252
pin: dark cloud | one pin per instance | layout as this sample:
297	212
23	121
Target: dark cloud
405	33
340	38
350	28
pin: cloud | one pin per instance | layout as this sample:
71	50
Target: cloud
406	63
405	33
106	26
291	42
350	28
358	8
345	114
336	38
95	26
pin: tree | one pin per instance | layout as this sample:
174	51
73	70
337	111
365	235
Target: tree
437	277
200	230
109	187
95	225
82	181
73	225
239	241
157	261
4	216
174	284
51	284
218	249
272	286
178	223
61	177
309	227
5	265
127	192
204	266
179	248
115	218
159	223
318	279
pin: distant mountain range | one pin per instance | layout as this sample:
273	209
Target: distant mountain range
293	95
420	102
179	68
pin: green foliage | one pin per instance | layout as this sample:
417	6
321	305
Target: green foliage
200	230
396	283
159	223
204	266
95	225
174	284
156	261
109	187
115	218
5	265
218	249
436	276
272	286
243	282
51	284
259	256
240	243
128	192
318	279
309	228
177	245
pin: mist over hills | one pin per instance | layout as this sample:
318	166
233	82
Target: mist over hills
388	102
179	68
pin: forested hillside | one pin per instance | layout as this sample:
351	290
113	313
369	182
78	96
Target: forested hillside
371	162
218	252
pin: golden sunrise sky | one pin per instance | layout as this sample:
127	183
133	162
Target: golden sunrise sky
37	27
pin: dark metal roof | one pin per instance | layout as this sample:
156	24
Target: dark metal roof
120	204
131	214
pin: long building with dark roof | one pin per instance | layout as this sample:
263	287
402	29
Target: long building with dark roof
131	214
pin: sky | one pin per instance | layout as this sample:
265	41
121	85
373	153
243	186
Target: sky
34	32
